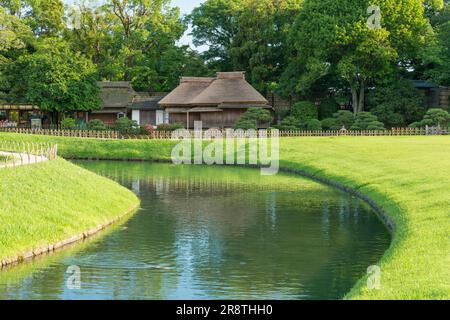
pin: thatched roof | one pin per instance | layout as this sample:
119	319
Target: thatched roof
188	89
116	94
145	101
227	87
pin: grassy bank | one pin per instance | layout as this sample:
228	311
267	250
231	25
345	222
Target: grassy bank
44	203
408	177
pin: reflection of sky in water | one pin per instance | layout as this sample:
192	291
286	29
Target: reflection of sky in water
202	234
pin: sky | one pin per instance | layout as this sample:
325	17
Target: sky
185	6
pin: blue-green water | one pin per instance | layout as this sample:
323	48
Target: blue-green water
210	233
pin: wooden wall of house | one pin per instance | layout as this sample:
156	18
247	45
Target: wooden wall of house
231	116
225	119
444	97
192	118
147	117
178	118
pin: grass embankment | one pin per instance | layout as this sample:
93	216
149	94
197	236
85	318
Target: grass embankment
42	204
408	177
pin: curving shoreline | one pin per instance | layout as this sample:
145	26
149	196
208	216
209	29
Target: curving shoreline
29	255
49	205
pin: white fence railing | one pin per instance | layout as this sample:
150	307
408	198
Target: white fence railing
18	153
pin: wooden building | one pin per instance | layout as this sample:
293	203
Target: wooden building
435	96
218	102
18	115
120	100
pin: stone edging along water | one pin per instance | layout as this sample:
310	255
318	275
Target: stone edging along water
63	243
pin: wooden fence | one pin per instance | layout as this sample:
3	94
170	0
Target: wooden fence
66	133
165	135
18	153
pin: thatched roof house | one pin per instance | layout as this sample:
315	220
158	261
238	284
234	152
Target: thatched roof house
120	100
217	102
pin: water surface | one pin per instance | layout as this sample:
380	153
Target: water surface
213	233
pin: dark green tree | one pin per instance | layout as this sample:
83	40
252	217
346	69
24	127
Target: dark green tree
333	38
55	78
397	104
247	35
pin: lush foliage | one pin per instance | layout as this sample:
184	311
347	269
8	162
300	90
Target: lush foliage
433	117
96	124
301	117
304	111
68	124
249	35
332	38
397	104
53	56
126	125
329	51
170	126
441	22
367	121
54	78
340	120
327	108
253	118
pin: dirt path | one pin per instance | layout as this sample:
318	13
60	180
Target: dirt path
21	159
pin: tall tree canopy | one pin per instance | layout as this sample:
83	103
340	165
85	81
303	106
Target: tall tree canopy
332	37
44	17
248	35
54	78
441	21
135	41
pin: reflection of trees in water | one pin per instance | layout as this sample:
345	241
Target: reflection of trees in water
211	235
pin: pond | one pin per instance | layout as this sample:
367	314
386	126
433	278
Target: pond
213	233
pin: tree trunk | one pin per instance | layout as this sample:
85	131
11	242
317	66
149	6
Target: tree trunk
358	98
362	89
355	100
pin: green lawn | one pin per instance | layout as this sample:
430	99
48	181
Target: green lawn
41	204
408	177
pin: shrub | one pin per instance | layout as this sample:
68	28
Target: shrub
176	126
375	125
397	103
96	124
289	123
245	124
417	124
258	114
314	124
367	121
148	129
437	116
126	125
327	108
344	118
170	127
330	124
304	111
252	118
433	117
68	124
